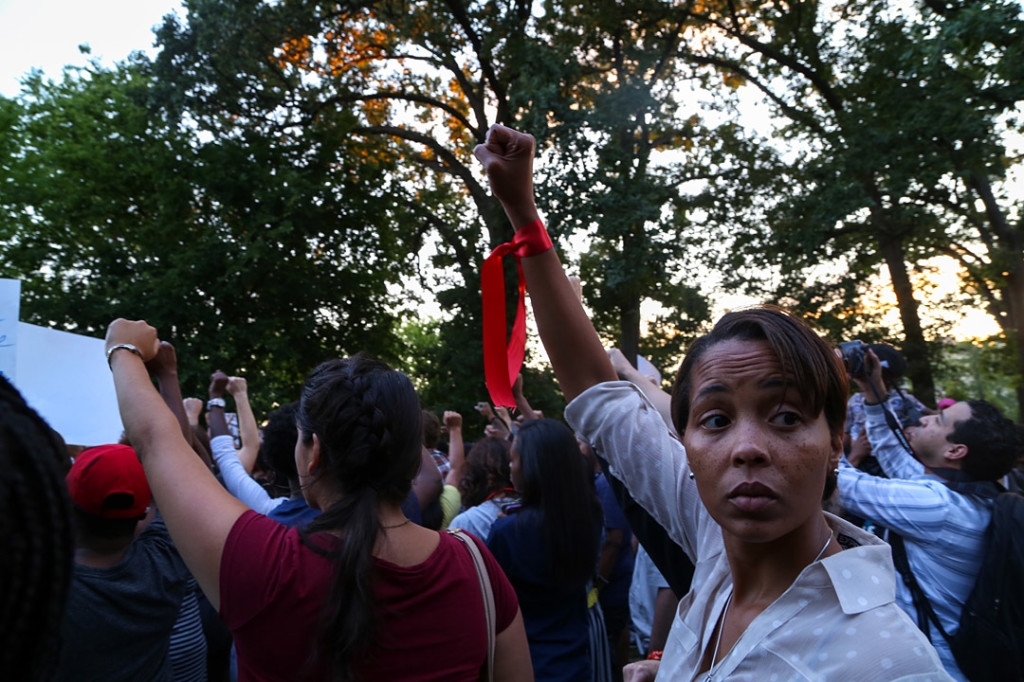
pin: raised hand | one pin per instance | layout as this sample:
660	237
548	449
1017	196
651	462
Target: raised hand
165	361
237	385
484	408
218	383
507	156
193	408
453	420
136	333
619	362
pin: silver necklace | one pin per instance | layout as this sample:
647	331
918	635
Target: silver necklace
725	611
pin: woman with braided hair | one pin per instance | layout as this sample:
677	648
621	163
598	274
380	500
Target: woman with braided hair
36	542
361	591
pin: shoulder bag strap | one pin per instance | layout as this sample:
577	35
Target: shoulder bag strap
487	592
925	612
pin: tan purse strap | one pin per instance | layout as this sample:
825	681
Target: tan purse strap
485	589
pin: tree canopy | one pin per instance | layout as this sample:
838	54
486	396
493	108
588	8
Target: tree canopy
288	180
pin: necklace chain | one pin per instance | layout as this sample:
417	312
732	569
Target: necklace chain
397	525
725	611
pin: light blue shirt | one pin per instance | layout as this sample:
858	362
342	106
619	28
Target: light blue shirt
944	530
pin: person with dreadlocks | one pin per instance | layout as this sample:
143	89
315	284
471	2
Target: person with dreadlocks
359	592
36	543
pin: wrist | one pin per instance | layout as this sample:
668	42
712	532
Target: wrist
113	354
522	212
215	402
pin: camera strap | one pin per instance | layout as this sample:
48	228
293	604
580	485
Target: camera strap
890	418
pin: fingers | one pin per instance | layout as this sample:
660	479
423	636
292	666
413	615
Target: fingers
136	333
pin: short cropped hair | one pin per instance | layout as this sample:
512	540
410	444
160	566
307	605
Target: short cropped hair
807	359
994	443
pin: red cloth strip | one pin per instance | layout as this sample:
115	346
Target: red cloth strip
502	362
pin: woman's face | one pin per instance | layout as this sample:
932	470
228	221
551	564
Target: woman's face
760	460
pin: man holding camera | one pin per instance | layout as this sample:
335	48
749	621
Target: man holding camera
943	530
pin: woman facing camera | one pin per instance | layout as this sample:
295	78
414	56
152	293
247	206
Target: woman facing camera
358	593
781	590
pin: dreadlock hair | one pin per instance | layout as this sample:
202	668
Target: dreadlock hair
366	417
36	540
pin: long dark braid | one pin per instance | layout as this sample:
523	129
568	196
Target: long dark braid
366	418
36	541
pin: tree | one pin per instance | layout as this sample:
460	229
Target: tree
892	133
617	108
423	81
250	252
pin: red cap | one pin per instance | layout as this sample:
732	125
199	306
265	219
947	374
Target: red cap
107	470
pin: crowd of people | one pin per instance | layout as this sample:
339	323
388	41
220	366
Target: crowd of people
756	522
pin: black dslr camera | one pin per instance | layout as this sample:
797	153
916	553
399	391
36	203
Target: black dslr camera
853	357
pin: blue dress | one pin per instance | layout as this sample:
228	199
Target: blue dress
555	613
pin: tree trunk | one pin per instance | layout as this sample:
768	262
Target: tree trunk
1014	294
915	349
629	327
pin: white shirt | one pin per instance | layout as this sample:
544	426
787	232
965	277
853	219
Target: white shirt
237	480
838	621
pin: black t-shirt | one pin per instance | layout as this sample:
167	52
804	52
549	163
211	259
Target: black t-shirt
119	619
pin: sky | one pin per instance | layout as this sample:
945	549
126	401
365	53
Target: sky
45	34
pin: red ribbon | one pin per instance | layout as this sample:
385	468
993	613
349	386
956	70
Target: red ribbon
502	362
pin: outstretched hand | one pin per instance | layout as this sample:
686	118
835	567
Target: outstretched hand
136	333
507	156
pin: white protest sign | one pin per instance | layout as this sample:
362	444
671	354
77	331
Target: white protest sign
65	378
10	304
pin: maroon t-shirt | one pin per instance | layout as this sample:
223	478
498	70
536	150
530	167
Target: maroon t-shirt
432	627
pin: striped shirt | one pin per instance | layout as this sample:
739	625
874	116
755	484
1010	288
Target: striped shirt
944	530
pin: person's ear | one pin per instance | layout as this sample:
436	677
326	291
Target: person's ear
314	456
837	451
956	451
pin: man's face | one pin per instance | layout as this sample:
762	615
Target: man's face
930	440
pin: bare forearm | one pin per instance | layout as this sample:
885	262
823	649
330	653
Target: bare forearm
665	605
248	430
197	510
572	345
456	456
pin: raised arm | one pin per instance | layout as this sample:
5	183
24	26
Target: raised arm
894	458
522	404
456	447
164	366
247	427
572	345
198	512
661	400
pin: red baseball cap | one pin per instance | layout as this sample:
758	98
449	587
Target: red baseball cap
105	471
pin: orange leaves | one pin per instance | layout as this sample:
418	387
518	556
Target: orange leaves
377	111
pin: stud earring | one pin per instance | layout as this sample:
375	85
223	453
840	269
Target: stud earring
693	476
835	471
